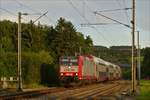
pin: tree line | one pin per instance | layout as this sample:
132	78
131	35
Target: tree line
42	46
121	55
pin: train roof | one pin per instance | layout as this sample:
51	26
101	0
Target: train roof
101	61
66	57
93	58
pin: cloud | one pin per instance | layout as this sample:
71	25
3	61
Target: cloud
8	17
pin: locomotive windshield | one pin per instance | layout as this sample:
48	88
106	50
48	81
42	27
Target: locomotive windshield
69	62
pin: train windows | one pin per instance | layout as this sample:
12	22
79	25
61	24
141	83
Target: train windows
74	63
102	64
102	74
111	74
107	70
67	62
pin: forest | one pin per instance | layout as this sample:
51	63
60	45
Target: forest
42	46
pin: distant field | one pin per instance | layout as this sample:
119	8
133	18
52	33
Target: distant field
144	90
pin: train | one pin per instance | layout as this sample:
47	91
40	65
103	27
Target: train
88	69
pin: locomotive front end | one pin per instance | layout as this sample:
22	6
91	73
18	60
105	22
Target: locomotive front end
68	69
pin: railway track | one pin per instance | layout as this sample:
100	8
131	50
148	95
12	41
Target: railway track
28	94
93	91
89	92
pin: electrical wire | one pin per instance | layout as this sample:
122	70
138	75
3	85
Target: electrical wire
27	7
11	13
36	12
125	11
8	11
116	20
111	41
88	21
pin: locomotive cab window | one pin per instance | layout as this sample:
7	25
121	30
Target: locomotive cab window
65	63
69	62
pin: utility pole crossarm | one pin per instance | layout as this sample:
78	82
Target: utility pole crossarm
112	19
86	24
40	16
115	10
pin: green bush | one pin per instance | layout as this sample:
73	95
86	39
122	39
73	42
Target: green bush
144	90
31	65
8	64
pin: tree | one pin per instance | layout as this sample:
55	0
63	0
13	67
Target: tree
88	45
6	44
146	63
65	41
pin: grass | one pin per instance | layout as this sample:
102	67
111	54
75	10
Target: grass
144	90
33	86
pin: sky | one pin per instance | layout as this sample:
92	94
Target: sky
81	12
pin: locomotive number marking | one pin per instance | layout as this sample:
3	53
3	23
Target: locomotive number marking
69	69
